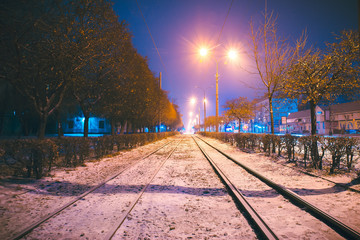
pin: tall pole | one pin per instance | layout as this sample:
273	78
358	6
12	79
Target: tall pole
217	96
159	103
204	112
199	117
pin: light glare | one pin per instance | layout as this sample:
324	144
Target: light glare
232	54
203	51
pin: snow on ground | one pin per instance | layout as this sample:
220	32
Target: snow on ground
23	201
185	200
271	206
343	205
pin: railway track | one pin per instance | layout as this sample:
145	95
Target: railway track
103	189
289	197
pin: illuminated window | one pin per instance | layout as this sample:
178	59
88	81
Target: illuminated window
101	124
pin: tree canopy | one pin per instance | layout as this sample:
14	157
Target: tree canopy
51	48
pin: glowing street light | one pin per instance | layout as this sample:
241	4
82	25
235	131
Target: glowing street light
203	51
232	55
193	101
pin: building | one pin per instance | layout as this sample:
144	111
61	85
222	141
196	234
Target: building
335	119
96	125
281	110
344	118
300	122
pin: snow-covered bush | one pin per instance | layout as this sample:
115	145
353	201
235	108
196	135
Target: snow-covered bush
314	149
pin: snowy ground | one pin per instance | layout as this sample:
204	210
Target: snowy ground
274	208
184	201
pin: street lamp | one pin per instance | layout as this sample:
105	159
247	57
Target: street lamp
193	102
232	55
204	101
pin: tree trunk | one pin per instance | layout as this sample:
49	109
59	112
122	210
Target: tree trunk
86	124
314	146
60	128
271	115
313	117
42	125
112	130
123	126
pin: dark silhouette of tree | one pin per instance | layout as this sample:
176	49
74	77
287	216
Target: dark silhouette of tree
51	48
32	54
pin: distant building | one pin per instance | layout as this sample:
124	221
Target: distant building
335	119
344	118
96	125
300	122
281	110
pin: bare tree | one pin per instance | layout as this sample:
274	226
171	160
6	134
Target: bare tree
271	54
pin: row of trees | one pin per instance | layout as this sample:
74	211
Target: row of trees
309	74
304	72
58	55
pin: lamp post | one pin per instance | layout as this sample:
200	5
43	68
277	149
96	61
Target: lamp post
204	101
217	95
231	54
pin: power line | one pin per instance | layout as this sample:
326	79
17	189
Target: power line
157	50
224	22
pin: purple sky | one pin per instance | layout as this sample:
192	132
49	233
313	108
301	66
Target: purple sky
180	26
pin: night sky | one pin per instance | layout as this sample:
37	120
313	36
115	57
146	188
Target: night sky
180	27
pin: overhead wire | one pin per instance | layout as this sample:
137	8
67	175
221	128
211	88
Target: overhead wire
157	50
222	28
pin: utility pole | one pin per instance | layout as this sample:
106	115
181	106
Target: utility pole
159	103
204	112
217	96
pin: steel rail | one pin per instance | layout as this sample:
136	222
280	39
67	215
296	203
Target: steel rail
31	227
331	221
262	228
124	216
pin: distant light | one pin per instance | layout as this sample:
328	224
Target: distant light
204	51
232	54
190	114
193	101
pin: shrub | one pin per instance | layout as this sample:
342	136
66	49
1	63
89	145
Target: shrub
337	150
290	143
29	157
352	146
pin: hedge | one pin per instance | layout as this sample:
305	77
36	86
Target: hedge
309	150
35	158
